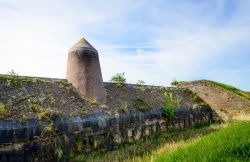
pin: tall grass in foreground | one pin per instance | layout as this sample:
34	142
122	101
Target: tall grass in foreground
227	144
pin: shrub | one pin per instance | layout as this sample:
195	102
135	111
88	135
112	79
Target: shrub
140	82
175	82
168	105
119	78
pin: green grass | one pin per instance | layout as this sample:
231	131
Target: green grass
228	144
231	89
225	142
222	85
142	150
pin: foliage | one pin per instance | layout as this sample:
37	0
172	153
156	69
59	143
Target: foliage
140	82
174	82
48	130
58	152
45	114
13	80
79	144
119	78
228	144
231	89
141	105
168	104
177	102
3	110
12	73
2	107
92	101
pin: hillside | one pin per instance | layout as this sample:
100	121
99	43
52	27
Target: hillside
227	144
231	89
226	100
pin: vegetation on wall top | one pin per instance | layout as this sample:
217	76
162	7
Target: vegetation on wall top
119	78
231	89
222	85
168	104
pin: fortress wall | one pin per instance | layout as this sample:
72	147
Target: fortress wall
59	97
217	97
26	141
225	103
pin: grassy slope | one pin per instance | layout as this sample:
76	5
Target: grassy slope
229	141
222	85
228	144
231	89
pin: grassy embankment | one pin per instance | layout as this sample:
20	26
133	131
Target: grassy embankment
225	142
231	143
231	89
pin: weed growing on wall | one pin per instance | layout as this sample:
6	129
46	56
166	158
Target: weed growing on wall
58	151
140	82
168	104
79	144
13	80
3	110
174	82
119	78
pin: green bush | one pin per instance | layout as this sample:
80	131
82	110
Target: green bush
119	78
168	104
174	83
140	82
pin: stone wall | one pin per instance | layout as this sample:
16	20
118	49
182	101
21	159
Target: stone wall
29	97
27	141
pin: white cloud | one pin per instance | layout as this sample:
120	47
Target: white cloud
35	36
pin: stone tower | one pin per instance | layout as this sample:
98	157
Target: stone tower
84	71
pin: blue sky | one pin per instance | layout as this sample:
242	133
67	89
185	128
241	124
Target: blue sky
155	41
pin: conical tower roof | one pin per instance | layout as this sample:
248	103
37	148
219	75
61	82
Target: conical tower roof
82	44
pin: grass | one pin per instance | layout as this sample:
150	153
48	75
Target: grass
225	142
231	89
142	150
222	85
231	143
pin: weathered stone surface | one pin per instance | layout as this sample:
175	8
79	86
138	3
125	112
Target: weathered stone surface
94	131
224	103
84	71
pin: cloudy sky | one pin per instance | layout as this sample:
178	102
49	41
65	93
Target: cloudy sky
155	40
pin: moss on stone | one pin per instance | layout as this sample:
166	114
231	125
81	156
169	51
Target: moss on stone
3	111
141	105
